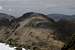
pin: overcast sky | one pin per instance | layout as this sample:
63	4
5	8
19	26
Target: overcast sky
19	7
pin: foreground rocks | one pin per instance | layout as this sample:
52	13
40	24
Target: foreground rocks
36	31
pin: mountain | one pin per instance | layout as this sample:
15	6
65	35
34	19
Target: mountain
62	17
36	31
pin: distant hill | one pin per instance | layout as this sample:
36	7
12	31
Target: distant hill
6	19
62	17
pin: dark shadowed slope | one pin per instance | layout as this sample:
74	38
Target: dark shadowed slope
6	19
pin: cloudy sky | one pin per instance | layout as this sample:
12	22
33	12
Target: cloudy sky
19	7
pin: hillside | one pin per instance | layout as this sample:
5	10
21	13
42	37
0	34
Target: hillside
36	31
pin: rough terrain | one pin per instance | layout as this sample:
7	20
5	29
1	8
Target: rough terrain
36	31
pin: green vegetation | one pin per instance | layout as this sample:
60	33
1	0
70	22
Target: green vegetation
12	42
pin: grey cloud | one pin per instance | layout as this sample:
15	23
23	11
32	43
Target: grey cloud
44	6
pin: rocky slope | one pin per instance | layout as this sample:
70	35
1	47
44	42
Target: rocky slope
36	31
